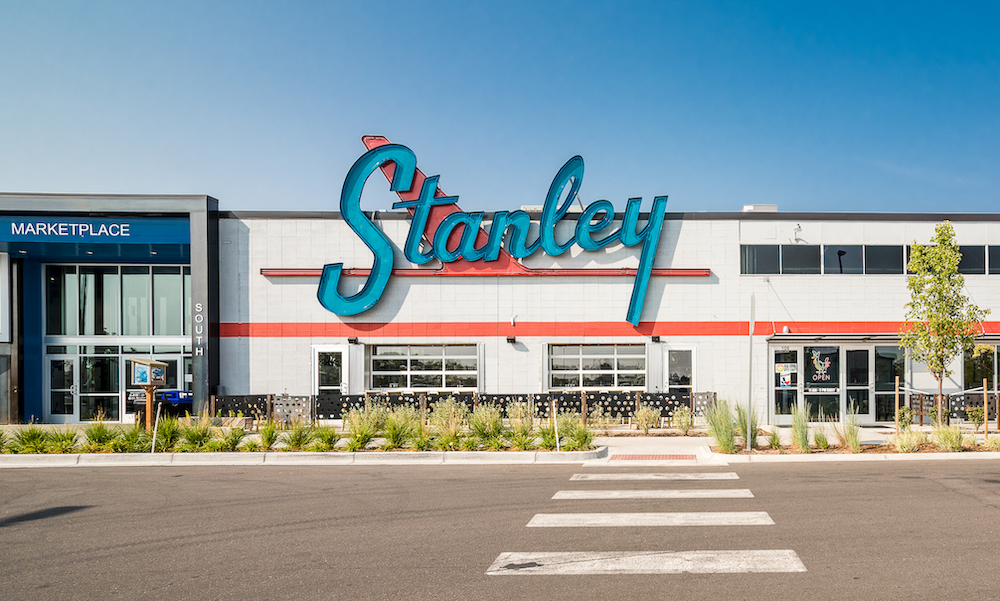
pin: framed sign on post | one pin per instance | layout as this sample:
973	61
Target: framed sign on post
149	375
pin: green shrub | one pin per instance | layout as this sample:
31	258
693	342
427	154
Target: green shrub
520	419
976	415
268	435
299	437
486	421
774	439
905	418
819	437
362	426
168	433
746	420
848	433
519	441
63	441
684	419
231	441
467	443
721	427
993	444
326	438
251	446
646	417
447	418
581	440
196	435
800	427
422	441
569	423
948	438
548	438
401	426
908	441
3	440
100	437
133	440
970	442
30	439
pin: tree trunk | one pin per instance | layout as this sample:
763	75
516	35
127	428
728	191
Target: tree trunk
940	414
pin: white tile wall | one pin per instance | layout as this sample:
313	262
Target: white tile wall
274	364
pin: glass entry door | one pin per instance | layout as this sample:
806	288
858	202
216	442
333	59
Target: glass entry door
821	382
62	406
330	369
859	384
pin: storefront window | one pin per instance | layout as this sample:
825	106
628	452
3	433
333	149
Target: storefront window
168	301
843	259
61	300
759	259
883	259
973	260
597	366
799	259
428	367
135	301
99	299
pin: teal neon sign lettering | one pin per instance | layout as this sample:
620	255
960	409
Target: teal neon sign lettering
513	226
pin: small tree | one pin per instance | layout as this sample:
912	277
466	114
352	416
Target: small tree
941	321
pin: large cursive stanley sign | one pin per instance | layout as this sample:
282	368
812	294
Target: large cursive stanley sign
510	226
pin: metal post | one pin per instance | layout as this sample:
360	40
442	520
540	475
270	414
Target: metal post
555	424
897	407
156	425
750	375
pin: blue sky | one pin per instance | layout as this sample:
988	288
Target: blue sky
843	106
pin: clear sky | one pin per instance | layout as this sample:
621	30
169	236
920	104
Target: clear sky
835	106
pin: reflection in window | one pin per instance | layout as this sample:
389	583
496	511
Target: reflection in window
843	259
597	366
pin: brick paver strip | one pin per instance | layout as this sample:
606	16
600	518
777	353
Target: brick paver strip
655	457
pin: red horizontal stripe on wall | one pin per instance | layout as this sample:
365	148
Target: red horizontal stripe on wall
554	328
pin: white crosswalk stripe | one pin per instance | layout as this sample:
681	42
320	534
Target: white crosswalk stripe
694	518
649	562
659	476
700	493
654	562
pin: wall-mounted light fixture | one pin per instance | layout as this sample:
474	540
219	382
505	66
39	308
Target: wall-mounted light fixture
511	339
353	341
655	338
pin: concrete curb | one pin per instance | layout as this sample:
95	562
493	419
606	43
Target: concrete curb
305	458
834	457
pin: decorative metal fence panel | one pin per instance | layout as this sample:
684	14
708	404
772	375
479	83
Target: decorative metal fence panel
701	402
256	406
617	404
287	409
666	402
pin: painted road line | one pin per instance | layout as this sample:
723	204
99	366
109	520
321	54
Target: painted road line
660	476
703	493
657	562
698	518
